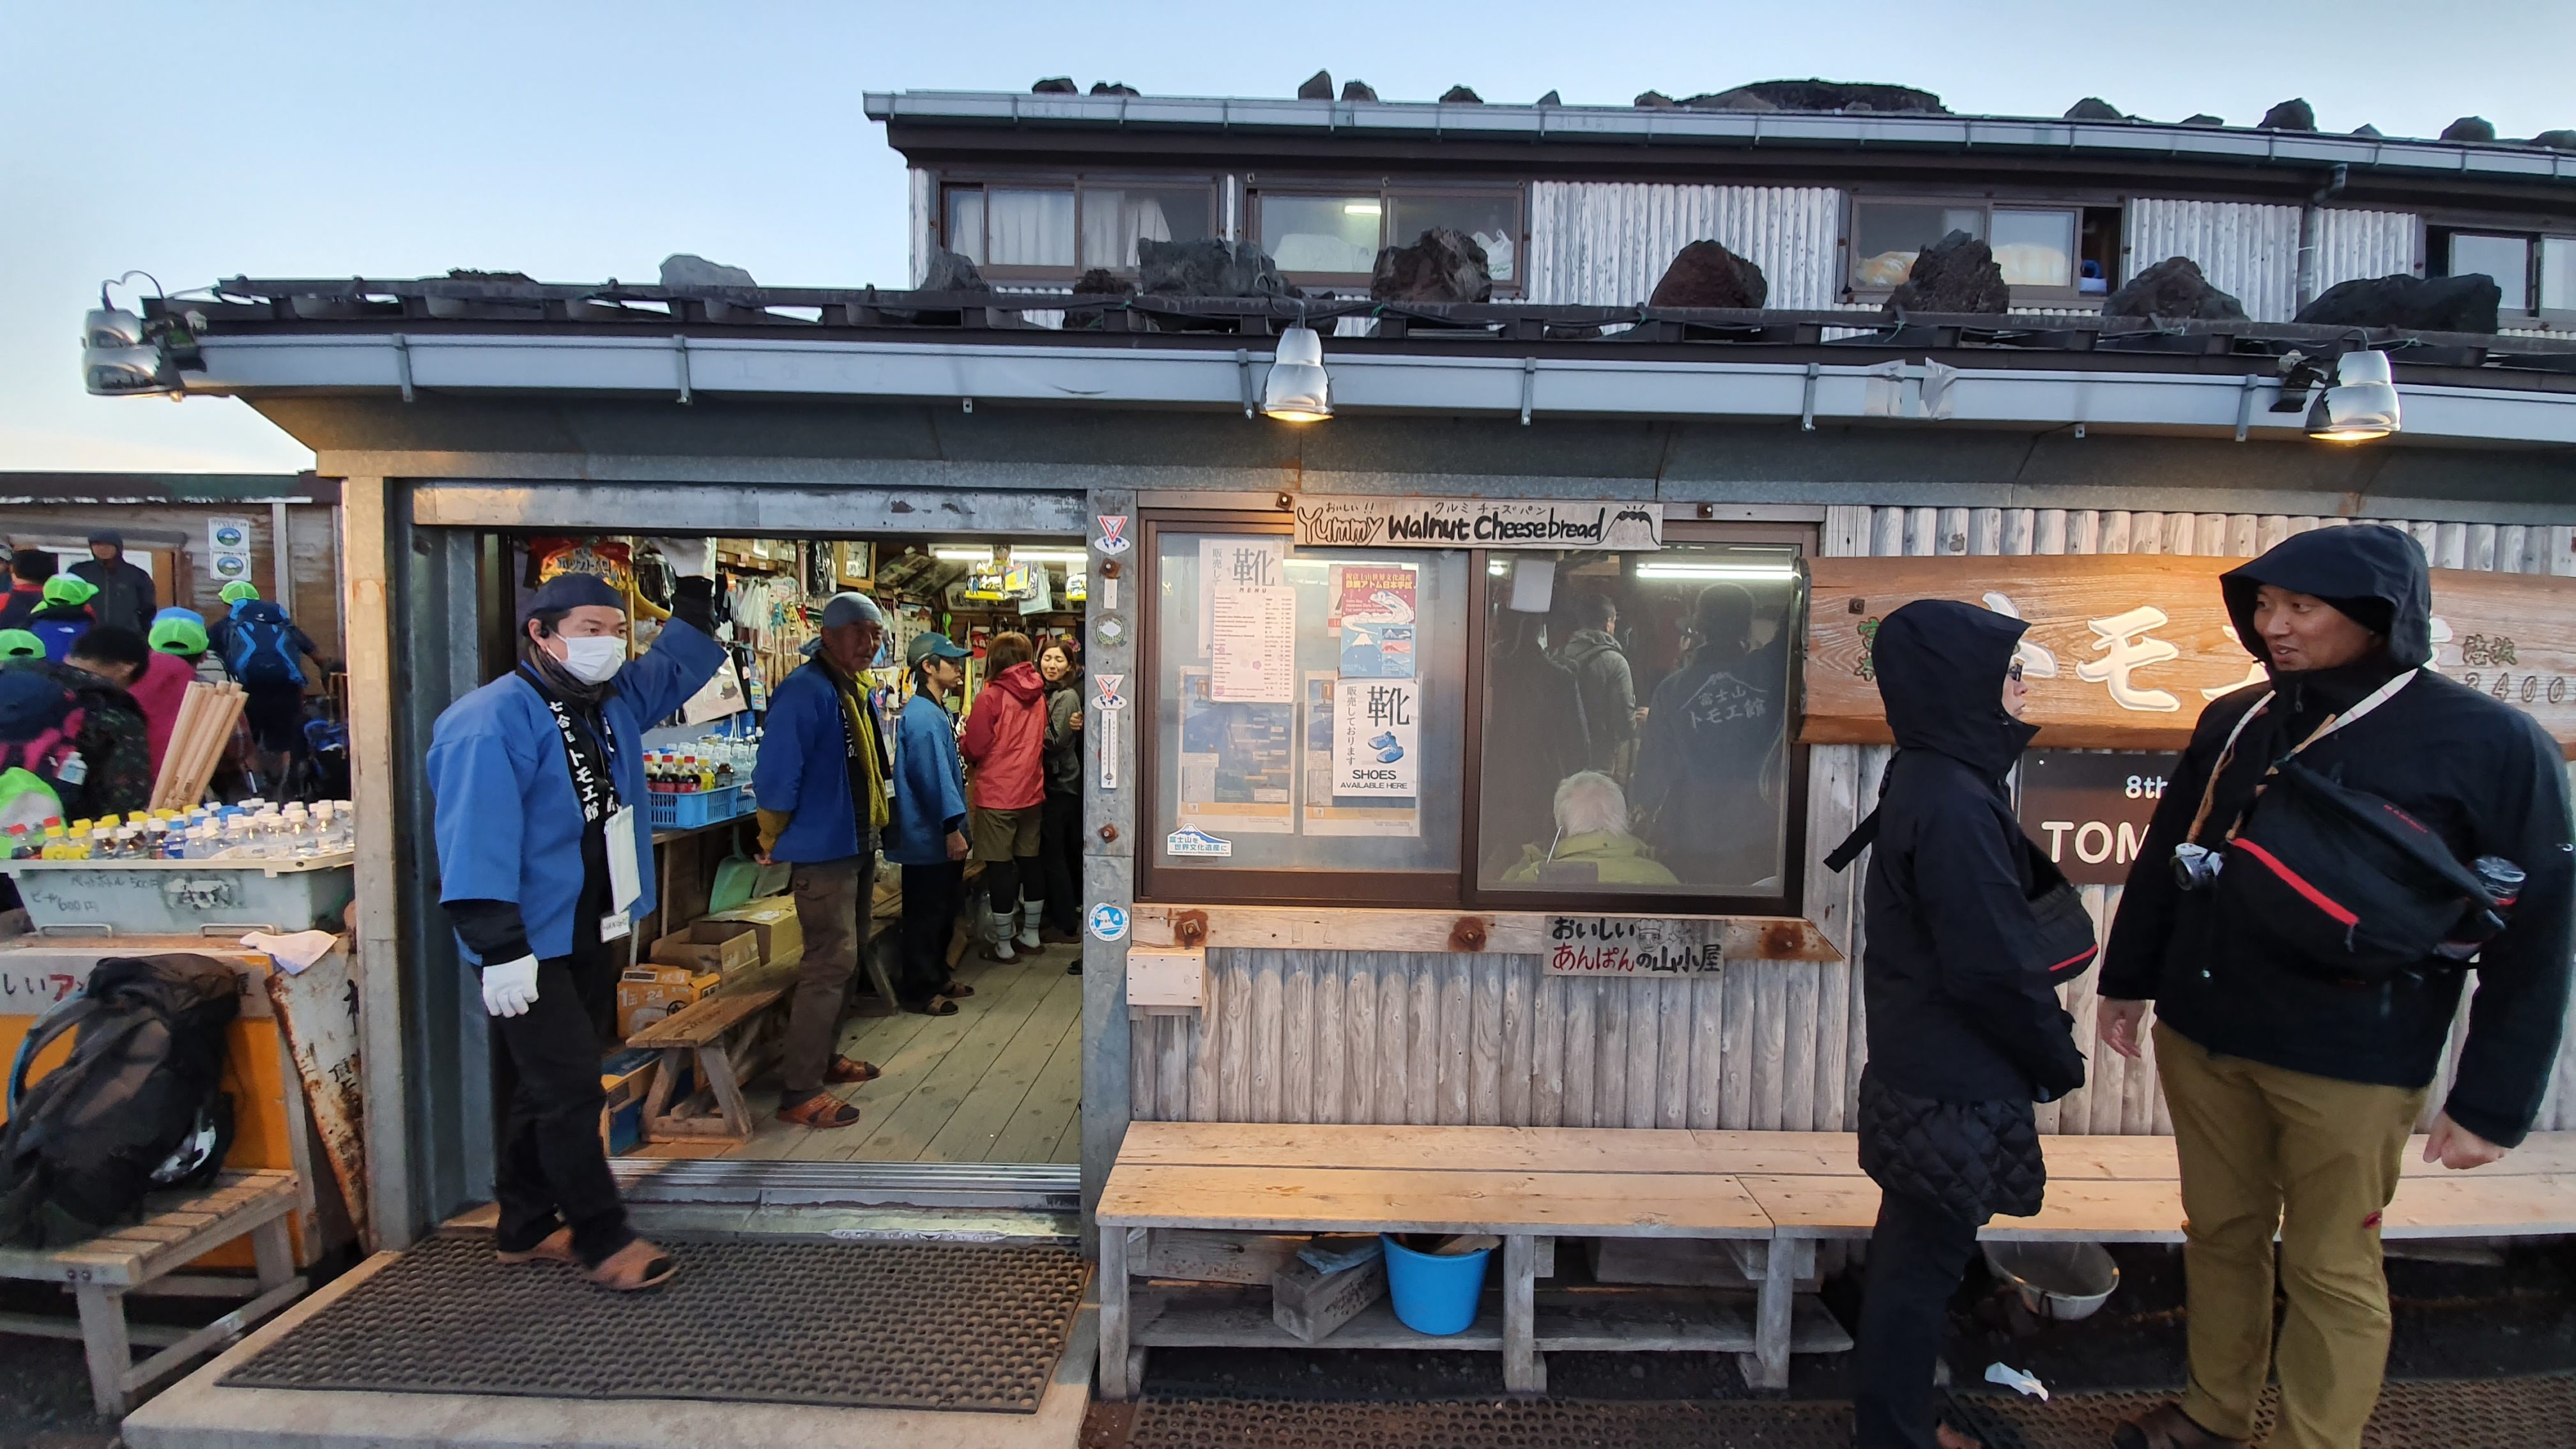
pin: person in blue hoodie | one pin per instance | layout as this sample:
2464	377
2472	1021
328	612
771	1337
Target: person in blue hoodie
929	835
825	791
545	861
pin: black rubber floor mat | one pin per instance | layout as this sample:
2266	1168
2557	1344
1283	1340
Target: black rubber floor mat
881	1325
2516	1413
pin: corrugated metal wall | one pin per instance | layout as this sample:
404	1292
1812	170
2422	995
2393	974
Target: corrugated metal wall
2357	244
1602	243
1385	1037
2248	251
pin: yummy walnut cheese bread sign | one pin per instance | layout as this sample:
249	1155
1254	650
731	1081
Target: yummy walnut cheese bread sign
2124	651
1362	522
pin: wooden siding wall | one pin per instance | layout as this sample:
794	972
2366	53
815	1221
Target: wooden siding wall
1387	1037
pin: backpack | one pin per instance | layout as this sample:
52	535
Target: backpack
138	1107
255	647
40	725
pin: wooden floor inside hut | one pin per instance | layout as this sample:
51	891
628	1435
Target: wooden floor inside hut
1001	1081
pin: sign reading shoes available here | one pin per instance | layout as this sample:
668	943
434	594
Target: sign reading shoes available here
2125	651
1476	523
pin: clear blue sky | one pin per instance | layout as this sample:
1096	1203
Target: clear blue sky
581	141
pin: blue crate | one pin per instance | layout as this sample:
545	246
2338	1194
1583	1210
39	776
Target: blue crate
688	811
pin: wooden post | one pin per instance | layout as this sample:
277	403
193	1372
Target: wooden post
110	1352
1524	1370
366	615
1114	1384
1771	1315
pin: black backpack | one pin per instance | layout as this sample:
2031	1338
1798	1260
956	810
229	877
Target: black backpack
138	1107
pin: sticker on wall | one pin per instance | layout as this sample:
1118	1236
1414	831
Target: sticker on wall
1109	691
1109	630
1113	533
1109	922
1197	843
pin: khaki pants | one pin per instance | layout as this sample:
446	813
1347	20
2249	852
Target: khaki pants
832	911
2264	1150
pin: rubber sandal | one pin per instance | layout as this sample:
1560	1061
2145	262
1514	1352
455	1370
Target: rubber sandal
935	1006
633	1268
822	1111
848	1070
554	1247
2167	1427
956	990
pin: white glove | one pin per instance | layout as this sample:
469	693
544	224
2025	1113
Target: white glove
510	987
690	558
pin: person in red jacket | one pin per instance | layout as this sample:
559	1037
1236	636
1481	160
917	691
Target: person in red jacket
1005	738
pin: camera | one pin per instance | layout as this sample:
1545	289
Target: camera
2196	866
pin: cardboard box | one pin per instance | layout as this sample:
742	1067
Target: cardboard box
726	948
647	993
773	919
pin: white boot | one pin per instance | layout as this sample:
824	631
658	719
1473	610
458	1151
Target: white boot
1031	913
997	936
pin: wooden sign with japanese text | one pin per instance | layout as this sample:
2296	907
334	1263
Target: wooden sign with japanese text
1632	946
2124	651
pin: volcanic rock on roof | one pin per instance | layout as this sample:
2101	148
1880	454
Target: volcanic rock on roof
685	269
1113	88
1318	87
1460	96
949	272
2173	288
1550	99
2367	131
1958	273
2094	108
1706	274
2203	118
2426	304
2294	114
1357	90
2469	128
1820	95
2556	140
1061	85
1653	101
1443	266
1208	268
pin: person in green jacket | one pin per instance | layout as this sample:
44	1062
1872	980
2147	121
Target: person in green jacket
1592	841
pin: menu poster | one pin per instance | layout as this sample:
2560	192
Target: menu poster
1375	604
1237	763
1254	646
1326	813
1229	565
1377	737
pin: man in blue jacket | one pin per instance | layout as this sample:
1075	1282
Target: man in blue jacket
546	864
929	835
825	789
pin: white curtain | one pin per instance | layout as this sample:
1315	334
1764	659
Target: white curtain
1114	221
1029	228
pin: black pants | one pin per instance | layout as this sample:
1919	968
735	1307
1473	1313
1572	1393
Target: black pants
1917	1255
550	1168
1060	860
932	897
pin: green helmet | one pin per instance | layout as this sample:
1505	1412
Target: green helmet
19	644
69	591
179	631
238	591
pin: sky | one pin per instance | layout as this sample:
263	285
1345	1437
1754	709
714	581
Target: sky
577	142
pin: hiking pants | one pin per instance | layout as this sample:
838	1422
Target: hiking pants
550	1169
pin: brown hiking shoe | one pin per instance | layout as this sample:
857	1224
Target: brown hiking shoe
2167	1427
638	1265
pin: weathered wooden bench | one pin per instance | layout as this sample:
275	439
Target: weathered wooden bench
143	1257
732	1037
1771	1197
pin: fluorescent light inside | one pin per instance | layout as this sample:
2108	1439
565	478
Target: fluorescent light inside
967	553
1362	208
1497	567
1773	572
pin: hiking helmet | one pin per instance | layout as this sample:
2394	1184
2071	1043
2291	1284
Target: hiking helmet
239	591
69	591
179	631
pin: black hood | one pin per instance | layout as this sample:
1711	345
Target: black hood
1940	667
2375	574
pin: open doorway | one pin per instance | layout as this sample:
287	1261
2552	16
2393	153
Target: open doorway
989	1073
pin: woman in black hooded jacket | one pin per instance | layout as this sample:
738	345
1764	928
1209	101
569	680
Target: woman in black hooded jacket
1965	1031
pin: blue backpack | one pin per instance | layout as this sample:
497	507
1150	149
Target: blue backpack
256	647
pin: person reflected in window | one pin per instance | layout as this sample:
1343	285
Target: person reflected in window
1711	739
1534	733
1592	844
1600	668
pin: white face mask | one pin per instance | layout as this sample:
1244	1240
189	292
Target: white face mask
594	660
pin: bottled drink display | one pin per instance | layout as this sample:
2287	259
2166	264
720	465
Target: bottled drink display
251	830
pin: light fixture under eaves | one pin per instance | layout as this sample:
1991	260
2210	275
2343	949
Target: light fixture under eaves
968	553
1298	390
2360	405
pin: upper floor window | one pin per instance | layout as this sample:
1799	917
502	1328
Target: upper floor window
2532	273
2045	252
1332	236
1046	233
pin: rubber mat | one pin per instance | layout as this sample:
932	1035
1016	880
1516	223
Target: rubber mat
2516	1413
877	1325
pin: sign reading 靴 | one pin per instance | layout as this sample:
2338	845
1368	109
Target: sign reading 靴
1476	523
2125	650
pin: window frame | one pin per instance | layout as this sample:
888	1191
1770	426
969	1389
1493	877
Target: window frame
2069	296
1385	189
1079	183
2439	235
1454	889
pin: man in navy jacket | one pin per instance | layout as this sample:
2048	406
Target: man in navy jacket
824	786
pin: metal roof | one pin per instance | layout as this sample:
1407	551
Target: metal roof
1634	126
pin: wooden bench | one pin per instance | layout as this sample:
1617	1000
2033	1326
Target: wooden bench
733	1037
176	1229
1771	1197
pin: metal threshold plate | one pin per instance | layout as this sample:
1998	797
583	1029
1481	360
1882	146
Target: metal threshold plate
875	1325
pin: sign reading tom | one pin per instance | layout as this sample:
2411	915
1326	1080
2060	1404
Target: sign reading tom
1632	946
1477	523
2090	812
2124	651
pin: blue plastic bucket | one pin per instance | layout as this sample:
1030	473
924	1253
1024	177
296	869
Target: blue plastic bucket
1434	1294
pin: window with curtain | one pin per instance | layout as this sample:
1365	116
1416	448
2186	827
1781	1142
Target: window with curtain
1116	218
1050	233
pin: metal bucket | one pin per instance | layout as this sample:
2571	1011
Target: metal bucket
2056	1279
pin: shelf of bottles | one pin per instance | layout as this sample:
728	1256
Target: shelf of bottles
295	833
